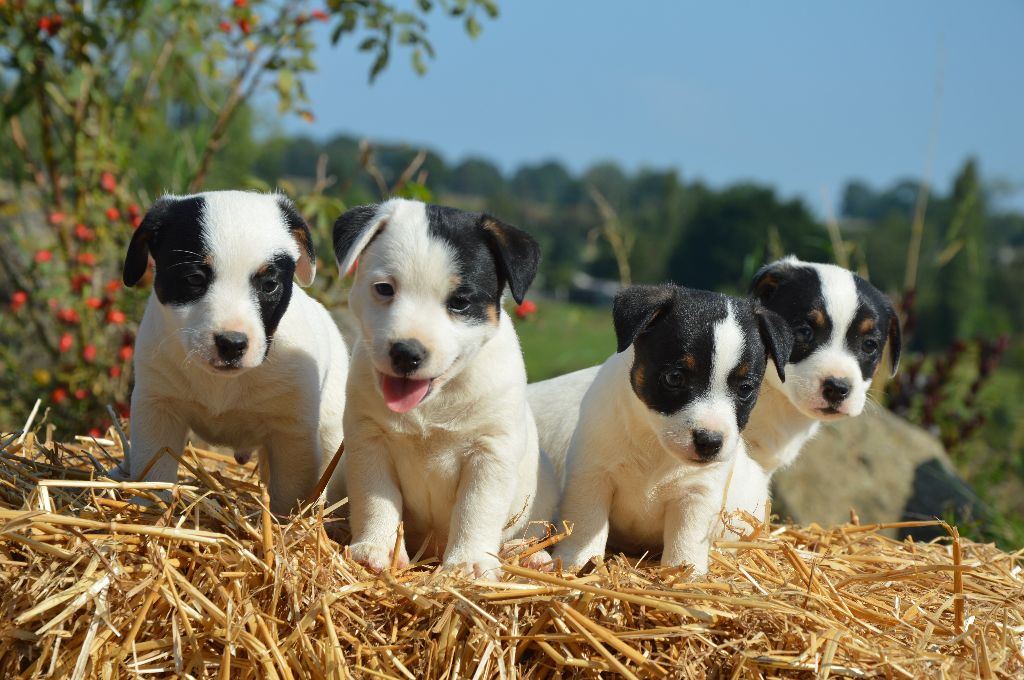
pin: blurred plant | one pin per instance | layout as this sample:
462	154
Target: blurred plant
87	90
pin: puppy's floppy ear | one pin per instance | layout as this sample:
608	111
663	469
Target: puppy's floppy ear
353	231
895	336
766	281
141	245
516	252
305	268
776	336
635	308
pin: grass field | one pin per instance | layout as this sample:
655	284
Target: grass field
562	337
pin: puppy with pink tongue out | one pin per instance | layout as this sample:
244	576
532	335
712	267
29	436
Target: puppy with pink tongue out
438	433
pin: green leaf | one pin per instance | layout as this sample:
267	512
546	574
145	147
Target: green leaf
369	44
379	64
417	62
472	27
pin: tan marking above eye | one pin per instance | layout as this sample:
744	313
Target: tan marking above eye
743	370
690	361
866	326
816	317
638	375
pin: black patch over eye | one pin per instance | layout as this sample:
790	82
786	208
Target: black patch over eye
458	304
673	379
803	333
745	390
385	290
269	286
196	279
870	346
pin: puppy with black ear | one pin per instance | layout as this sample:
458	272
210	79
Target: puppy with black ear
438	432
651	462
840	324
229	347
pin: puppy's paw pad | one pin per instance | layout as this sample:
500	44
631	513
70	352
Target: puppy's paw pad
375	557
540	560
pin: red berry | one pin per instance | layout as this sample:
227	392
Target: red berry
81	393
59	395
224	26
243	26
125	353
136	221
84	233
240	3
89	353
133	209
44	24
115	371
113	214
113	285
93	302
525	309
87	259
68	315
319	14
65	343
78	282
56	217
108	182
18	300
116	317
95	433
43	256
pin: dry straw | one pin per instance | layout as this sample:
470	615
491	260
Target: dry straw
202	583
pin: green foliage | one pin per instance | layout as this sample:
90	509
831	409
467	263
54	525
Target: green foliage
562	337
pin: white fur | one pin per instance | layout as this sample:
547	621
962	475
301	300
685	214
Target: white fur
289	405
462	469
632	477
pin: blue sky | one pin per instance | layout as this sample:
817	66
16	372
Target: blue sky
801	95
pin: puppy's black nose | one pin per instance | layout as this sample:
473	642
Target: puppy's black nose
231	344
707	443
835	389
407	355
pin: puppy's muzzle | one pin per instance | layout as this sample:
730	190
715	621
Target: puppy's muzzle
707	443
407	356
231	345
835	390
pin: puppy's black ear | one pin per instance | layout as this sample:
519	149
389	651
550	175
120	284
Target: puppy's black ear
305	268
776	336
141	245
895	337
766	281
516	252
353	231
635	309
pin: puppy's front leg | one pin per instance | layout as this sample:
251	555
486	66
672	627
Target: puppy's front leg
154	427
483	502
587	506
376	502
689	525
294	461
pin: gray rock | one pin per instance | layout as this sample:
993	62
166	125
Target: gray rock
880	466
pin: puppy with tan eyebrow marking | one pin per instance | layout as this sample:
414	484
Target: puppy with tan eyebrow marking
438	432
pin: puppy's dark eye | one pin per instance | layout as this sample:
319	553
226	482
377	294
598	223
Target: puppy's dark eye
196	280
385	290
673	379
803	333
745	390
869	346
269	286
458	304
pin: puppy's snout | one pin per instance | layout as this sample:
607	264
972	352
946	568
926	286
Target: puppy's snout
407	356
707	443
231	345
835	390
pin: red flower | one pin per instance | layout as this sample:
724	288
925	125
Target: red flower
84	233
113	214
133	209
68	315
125	353
243	26
224	26
320	15
56	217
43	256
18	300
240	4
115	371
87	259
89	353
116	317
108	182
65	343
93	302
113	285
45	24
51	24
59	395
95	433
81	393
136	221
527	308
78	282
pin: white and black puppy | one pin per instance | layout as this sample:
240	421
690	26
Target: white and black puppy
840	324
438	432
658	436
228	347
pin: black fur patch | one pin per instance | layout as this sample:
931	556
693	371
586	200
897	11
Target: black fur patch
348	227
272	287
674	346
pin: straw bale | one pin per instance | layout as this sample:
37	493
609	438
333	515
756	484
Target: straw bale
103	579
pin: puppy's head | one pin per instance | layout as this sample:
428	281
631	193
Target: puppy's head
840	325
224	267
428	289
699	358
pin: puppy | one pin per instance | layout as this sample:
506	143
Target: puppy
228	346
840	324
658	435
439	434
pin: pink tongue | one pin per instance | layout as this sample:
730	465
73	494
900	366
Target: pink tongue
403	394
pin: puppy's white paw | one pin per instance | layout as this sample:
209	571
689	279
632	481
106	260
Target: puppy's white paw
377	558
540	560
479	566
573	560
